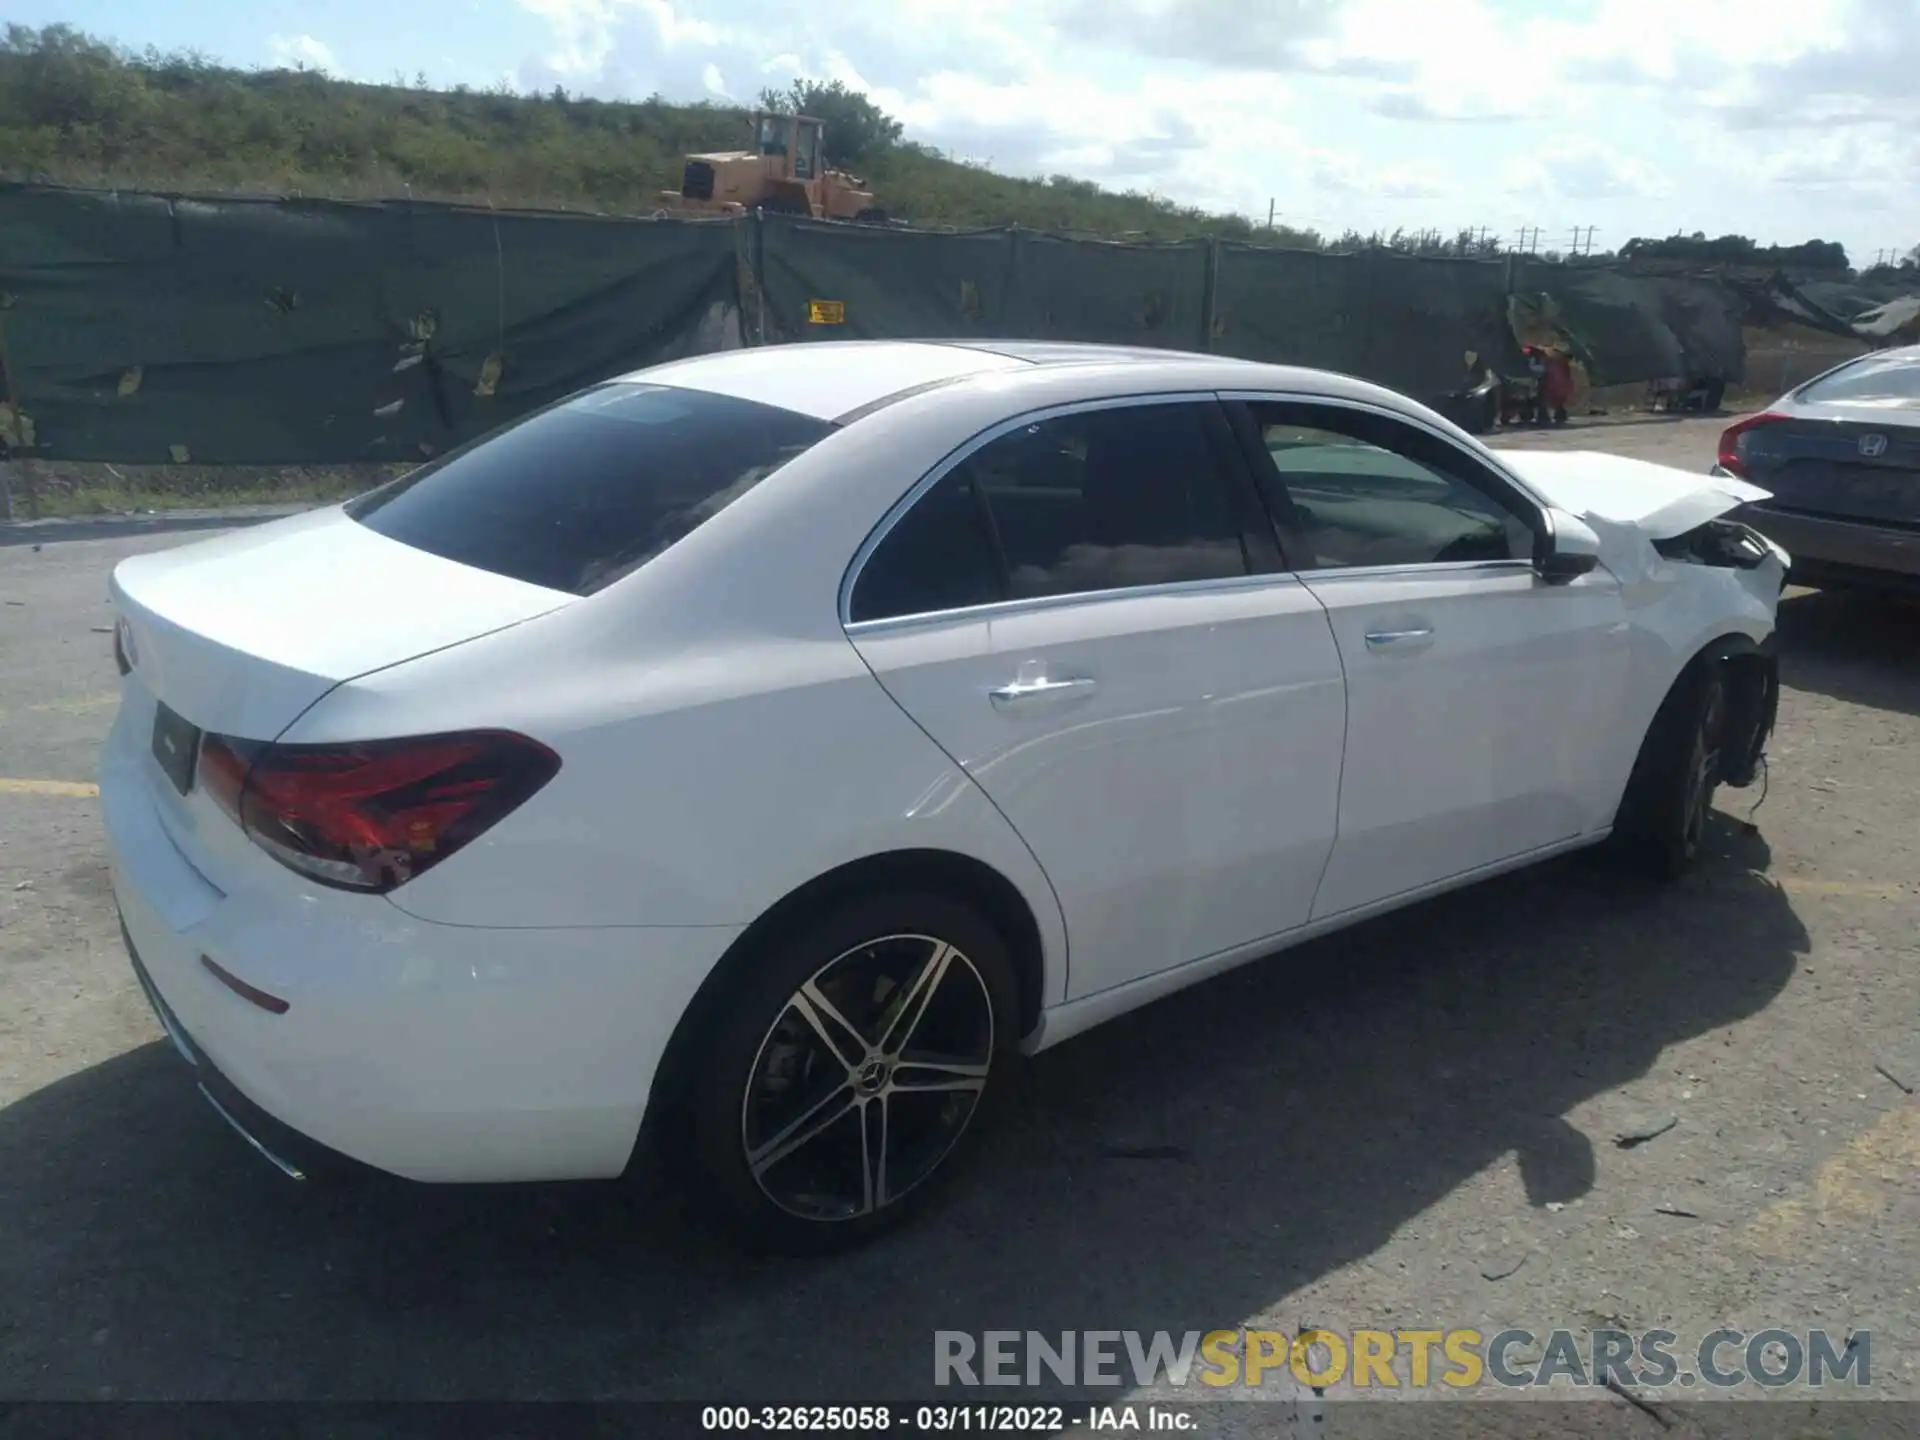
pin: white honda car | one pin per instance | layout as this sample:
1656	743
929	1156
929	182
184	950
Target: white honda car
735	764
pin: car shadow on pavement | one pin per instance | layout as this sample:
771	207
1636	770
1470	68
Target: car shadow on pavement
1183	1167
1852	646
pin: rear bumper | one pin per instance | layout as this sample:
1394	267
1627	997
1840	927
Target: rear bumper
432	1052
294	1155
1840	551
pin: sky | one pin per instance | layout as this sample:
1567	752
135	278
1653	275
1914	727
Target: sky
1782	119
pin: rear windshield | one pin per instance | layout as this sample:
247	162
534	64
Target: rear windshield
1870	378
583	492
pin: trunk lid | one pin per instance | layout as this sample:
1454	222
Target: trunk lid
1862	463
1657	500
241	633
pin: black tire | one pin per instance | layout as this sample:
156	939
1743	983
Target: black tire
763	1072
1669	796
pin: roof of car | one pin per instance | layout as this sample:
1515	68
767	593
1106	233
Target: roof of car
843	379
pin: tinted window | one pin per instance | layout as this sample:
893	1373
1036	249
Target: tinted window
1872	378
581	493
939	556
1357	490
1108	499
1102	500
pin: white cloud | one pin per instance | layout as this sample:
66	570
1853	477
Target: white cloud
1637	116
712	79
302	51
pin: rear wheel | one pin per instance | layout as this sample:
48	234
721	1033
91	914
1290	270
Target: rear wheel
843	1076
1663	816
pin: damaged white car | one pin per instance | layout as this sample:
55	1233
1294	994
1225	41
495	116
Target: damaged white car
748	755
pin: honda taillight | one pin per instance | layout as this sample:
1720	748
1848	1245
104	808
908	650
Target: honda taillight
372	815
1733	440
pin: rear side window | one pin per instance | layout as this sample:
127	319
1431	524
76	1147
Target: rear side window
1094	501
940	556
1872	378
583	492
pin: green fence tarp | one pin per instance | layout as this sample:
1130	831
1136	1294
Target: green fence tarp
1114	294
1403	321
1010	284
890	284
147	328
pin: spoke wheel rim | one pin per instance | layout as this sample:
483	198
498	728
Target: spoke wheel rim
867	1077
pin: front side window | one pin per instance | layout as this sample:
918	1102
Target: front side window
1094	501
581	493
1352	489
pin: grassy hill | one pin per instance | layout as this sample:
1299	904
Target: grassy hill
75	110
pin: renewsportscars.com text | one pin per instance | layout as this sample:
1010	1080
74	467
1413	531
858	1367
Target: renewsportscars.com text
1459	1359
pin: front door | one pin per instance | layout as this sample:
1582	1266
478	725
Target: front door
1081	613
1478	695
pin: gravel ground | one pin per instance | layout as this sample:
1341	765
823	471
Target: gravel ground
1359	1134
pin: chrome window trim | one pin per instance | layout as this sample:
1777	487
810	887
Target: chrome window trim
964	452
1278	579
1000	609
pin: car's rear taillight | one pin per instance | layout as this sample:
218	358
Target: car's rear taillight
372	815
1733	447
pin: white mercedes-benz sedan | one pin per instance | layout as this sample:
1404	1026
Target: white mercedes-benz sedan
732	767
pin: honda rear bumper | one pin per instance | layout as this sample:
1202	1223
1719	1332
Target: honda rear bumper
1828	550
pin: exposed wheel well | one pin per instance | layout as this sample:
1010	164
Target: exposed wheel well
1750	673
960	877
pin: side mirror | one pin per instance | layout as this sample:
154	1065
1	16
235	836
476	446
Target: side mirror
1569	548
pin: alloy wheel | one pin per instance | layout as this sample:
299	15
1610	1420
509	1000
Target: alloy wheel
867	1078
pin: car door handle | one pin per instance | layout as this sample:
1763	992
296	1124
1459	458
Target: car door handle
1415	639
1027	690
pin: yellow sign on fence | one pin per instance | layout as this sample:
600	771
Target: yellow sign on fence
826	312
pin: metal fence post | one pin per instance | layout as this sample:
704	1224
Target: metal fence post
1210	293
1009	288
757	248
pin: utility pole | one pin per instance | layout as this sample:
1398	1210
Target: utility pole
1269	213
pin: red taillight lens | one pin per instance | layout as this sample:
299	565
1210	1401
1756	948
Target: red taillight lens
1733	454
372	815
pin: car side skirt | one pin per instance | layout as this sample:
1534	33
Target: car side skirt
1062	1022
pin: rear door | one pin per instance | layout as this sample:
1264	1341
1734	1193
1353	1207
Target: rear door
1477	694
1085	611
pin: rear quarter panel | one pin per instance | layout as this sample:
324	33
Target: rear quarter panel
695	789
